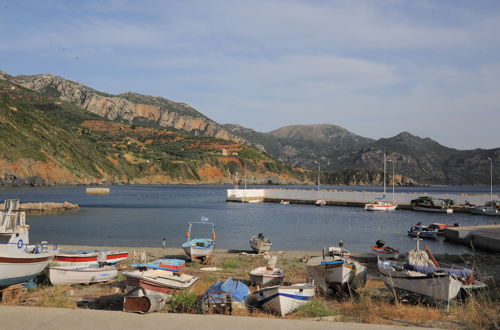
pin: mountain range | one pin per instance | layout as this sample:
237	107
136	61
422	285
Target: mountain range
347	157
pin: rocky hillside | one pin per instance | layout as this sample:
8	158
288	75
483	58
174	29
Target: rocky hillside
44	141
131	108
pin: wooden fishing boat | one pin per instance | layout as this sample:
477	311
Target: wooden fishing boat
173	265
282	300
264	276
421	276
159	281
68	275
489	208
422	231
384	252
87	258
199	248
440	227
429	204
19	261
260	244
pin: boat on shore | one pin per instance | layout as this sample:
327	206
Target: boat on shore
384	252
88	258
422	276
199	248
68	275
224	296
283	300
429	204
19	260
260	244
335	273
269	275
173	265
160	281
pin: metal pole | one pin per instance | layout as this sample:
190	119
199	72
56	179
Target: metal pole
319	171
384	174
392	179
491	179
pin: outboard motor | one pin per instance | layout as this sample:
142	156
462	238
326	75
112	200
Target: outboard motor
380	243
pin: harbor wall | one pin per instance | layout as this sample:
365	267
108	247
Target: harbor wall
341	197
486	237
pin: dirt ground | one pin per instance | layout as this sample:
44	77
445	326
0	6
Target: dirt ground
372	304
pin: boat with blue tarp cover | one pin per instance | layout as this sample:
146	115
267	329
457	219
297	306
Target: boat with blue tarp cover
223	296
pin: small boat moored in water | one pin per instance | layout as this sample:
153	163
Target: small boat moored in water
380	206
440	227
283	300
260	244
384	252
19	261
68	275
429	204
489	208
422	231
199	248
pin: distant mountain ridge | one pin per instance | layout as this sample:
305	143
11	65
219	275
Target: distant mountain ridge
334	147
422	159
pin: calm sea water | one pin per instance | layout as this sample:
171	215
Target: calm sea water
142	215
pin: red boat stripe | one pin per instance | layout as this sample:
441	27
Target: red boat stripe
75	259
22	260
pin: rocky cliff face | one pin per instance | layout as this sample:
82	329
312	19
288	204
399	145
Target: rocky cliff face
127	107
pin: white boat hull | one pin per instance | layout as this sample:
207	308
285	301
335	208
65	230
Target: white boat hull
68	275
377	207
15	268
431	209
157	281
259	245
194	252
443	287
282	300
383	255
261	276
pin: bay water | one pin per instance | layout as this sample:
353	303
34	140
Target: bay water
141	216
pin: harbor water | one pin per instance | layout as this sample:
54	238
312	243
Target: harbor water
141	216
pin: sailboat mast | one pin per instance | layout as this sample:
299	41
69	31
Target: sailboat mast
319	169
384	173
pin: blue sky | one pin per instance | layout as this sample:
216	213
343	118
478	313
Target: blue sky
375	67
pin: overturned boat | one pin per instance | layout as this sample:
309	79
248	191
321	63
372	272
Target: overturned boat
88	258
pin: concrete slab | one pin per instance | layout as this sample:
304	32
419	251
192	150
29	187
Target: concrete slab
30	318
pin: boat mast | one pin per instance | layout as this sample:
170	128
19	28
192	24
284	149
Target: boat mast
384	173
491	178
319	169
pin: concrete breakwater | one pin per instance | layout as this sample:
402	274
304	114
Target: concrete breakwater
343	197
485	237
45	207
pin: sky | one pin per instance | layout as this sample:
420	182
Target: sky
376	68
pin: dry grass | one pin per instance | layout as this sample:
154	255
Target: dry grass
54	297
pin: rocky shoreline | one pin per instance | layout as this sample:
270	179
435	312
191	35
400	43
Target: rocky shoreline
40	207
